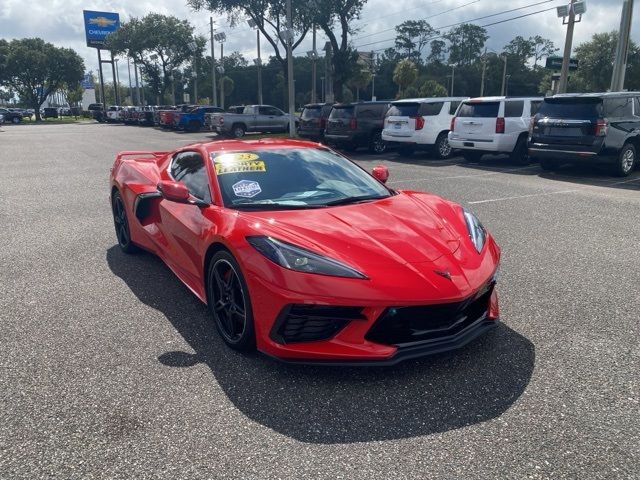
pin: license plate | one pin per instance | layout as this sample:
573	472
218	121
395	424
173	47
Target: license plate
468	144
397	126
564	132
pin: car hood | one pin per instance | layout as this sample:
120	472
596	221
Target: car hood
404	228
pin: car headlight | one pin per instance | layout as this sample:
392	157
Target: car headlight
299	259
477	233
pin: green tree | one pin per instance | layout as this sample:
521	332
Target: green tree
160	44
34	68
466	42
595	64
431	88
361	77
520	49
437	51
542	47
404	75
412	36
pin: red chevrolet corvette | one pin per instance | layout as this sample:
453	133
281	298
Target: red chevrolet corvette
300	253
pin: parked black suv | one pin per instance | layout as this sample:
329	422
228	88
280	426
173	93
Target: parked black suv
313	120
593	127
354	125
10	116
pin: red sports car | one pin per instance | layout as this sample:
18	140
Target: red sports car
300	253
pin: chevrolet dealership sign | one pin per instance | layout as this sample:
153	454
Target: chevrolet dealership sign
97	25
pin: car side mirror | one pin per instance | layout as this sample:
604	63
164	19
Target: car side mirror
381	173
174	191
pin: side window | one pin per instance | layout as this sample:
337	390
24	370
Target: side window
188	167
513	108
270	111
430	109
636	106
617	107
453	107
535	106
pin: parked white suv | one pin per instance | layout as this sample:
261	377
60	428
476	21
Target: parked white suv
421	124
493	125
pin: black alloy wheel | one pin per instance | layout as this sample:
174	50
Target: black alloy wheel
229	302
121	223
377	144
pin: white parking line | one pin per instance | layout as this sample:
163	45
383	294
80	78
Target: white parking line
494	172
521	196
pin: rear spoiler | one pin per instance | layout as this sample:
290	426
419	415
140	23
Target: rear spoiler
141	153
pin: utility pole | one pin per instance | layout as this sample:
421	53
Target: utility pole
313	67
564	72
135	72
504	74
130	87
214	89
115	80
373	76
222	73
622	50
484	71
259	68
453	77
292	108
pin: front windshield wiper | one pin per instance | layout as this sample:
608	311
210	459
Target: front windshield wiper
356	199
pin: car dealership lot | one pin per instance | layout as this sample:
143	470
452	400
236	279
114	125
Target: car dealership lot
111	368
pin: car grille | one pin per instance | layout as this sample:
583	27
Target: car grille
407	326
306	323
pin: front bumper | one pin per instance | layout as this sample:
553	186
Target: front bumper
360	340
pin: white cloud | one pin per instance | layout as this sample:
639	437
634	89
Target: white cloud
60	21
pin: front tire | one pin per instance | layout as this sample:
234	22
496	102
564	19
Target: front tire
626	161
229	302
442	148
121	223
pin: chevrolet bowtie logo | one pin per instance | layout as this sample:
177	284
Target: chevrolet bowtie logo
101	21
444	274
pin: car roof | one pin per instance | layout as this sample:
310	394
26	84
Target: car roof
253	145
318	105
431	100
596	94
500	98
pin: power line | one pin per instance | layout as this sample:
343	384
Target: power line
473	20
425	18
366	19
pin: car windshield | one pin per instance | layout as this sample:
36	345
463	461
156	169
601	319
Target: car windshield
292	178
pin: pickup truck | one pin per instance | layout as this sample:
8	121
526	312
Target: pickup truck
193	120
254	118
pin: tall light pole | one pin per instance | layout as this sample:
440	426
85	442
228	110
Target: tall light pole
214	88
570	11
506	88
289	38
484	72
453	78
130	86
257	61
322	97
193	46
622	50
221	37
504	74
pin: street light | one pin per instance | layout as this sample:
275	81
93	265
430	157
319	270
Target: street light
257	61
193	46
221	37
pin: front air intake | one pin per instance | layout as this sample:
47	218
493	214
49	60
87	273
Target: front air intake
308	323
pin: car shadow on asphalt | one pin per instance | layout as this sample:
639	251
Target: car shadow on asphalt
334	405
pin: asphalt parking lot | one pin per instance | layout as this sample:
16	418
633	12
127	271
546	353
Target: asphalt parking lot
110	368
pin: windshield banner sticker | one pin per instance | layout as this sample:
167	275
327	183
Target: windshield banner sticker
240	167
246	189
238	162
